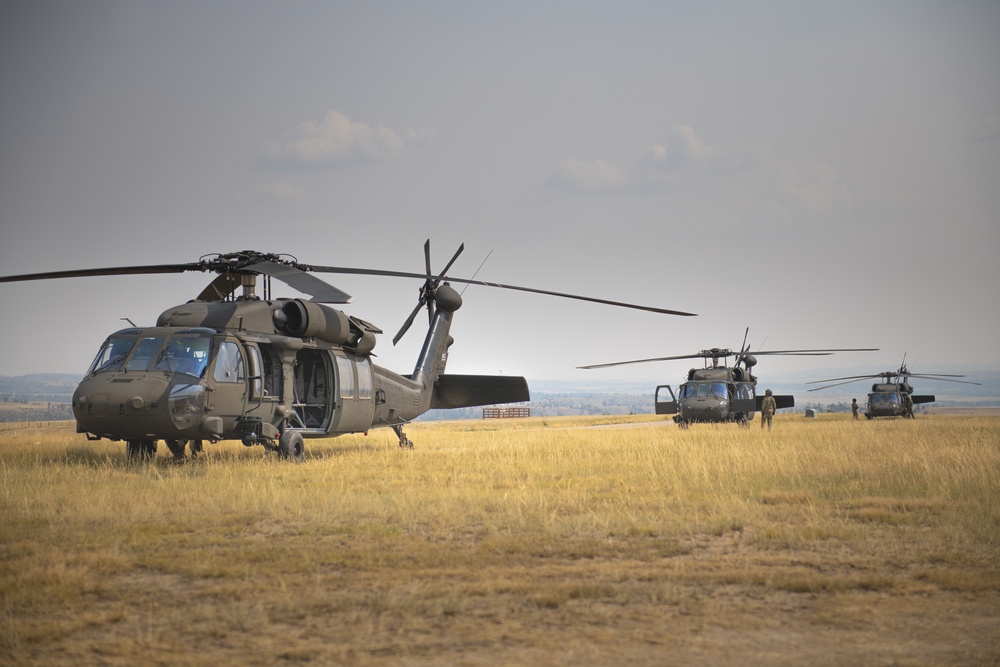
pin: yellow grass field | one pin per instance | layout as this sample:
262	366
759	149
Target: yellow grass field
543	541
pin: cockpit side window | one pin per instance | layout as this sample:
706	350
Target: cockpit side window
185	354
112	354
229	363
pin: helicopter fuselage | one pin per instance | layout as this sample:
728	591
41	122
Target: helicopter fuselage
714	395
886	400
256	370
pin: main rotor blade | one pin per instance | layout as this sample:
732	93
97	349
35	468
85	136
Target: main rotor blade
851	378
939	378
318	289
406	274
643	361
220	288
111	271
837	384
818	352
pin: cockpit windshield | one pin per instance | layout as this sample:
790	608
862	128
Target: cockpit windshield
703	390
184	352
885	398
112	354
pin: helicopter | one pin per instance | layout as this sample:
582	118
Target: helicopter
893	396
234	365
719	393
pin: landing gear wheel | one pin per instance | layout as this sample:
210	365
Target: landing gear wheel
140	450
404	442
292	446
195	446
176	447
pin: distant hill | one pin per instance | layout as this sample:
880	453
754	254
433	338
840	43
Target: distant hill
54	387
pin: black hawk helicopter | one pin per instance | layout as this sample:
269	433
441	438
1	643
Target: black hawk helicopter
719	393
273	371
893	397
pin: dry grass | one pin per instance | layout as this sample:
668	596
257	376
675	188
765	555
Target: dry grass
534	541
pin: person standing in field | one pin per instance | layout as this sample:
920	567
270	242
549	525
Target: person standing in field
854	407
767	408
907	406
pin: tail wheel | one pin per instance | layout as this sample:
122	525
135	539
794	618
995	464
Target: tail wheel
292	446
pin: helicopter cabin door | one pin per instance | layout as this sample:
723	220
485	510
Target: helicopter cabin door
742	398
663	406
229	383
313	391
355	405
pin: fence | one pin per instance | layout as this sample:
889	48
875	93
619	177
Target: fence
505	412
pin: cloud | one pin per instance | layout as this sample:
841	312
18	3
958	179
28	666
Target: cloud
334	142
680	150
819	189
586	177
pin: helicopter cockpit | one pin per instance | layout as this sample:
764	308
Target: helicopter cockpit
703	390
132	350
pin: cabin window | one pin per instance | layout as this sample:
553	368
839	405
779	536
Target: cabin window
112	354
256	377
229	363
743	391
345	374
145	352
271	371
364	379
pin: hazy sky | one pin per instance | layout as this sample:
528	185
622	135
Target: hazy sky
827	174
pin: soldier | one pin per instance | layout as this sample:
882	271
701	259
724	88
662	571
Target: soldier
908	406
767	408
854	407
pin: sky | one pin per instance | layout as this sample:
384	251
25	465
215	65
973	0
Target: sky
824	174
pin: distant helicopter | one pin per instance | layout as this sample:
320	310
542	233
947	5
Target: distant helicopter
719	393
888	398
273	371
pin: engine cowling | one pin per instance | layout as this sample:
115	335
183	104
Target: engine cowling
306	319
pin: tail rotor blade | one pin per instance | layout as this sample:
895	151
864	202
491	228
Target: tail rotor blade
409	320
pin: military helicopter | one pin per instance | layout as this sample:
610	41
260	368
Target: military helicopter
889	397
273	371
719	393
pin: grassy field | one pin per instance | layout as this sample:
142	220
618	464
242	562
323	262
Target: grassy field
544	541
